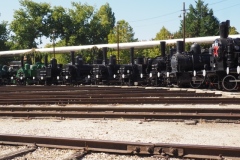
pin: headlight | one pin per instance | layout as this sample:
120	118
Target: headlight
118	71
33	78
42	78
88	76
141	75
123	76
21	78
194	73
150	75
167	74
158	74
97	76
66	77
128	71
227	70
11	78
58	77
114	76
238	69
204	73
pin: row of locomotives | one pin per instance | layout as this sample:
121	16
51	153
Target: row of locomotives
225	61
106	72
76	72
49	74
27	74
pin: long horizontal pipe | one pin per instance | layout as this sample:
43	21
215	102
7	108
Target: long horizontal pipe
144	44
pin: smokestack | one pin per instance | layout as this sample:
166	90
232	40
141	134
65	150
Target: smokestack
72	58
22	59
46	60
224	29
179	46
163	48
132	55
112	60
104	55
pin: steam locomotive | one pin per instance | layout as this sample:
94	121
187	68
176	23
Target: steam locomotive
218	67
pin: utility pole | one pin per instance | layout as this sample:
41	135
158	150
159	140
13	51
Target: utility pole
53	43
184	11
118	43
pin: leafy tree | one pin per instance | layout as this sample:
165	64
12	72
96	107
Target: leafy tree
233	30
163	34
29	24
60	24
80	16
121	33
4	36
200	21
100	26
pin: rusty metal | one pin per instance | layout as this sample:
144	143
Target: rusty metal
18	153
229	115
121	100
164	149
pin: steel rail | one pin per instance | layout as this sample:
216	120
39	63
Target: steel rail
120	100
123	147
130	115
121	109
103	95
133	113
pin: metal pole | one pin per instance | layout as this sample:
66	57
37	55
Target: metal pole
184	11
118	44
53	44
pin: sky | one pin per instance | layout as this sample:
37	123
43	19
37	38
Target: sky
146	17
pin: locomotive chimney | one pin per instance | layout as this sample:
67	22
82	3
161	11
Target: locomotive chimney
112	60
179	46
224	29
22	59
72	58
132	55
46	60
163	48
104	55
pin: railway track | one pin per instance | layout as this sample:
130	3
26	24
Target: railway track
106	95
170	114
121	147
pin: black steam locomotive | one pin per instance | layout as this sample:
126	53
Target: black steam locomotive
217	67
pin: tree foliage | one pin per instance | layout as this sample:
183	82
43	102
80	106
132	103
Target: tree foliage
121	33
30	22
233	30
163	34
4	36
200	21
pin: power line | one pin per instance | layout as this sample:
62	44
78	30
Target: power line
217	2
157	23
156	17
227	7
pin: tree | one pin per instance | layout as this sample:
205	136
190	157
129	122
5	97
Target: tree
4	36
121	33
29	24
101	25
200	21
80	17
163	34
233	30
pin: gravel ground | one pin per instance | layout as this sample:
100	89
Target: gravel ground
221	134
